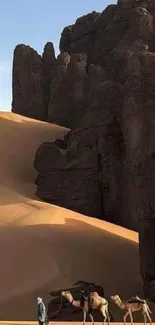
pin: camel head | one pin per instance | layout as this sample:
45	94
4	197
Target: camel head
67	295
94	294
115	298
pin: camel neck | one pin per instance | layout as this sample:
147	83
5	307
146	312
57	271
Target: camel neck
120	303
75	303
71	299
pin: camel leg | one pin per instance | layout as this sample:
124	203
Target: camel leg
148	316
105	318
91	317
131	317
84	316
108	316
144	315
125	316
103	312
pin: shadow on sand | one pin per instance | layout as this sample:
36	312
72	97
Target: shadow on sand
19	141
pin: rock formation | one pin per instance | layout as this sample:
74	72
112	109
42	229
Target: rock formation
28	97
49	71
102	86
70	87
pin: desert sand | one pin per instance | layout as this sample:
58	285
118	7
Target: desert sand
44	247
58	323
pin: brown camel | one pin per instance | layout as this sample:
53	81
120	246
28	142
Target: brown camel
96	301
132	305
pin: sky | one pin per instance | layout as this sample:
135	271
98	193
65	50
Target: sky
35	22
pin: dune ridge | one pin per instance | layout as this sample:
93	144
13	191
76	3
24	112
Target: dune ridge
43	246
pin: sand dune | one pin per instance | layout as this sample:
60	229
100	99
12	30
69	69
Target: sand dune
44	247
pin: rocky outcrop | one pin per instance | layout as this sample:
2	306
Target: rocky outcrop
111	100
79	37
49	62
70	87
56	90
75	174
102	86
28	99
105	167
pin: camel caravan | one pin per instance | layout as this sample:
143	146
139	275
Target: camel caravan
94	301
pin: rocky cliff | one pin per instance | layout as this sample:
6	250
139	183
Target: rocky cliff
102	86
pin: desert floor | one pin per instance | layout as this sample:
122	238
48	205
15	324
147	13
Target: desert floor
44	247
59	323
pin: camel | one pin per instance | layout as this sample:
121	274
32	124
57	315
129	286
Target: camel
96	302
132	305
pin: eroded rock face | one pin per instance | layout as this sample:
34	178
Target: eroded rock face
70	87
86	175
129	4
46	88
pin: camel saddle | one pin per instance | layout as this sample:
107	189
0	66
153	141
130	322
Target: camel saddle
83	298
136	300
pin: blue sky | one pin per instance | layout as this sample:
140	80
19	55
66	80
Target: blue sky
34	22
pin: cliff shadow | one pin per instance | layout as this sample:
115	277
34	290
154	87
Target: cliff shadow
19	141
49	257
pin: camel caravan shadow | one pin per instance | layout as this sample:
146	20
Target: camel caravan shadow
60	309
